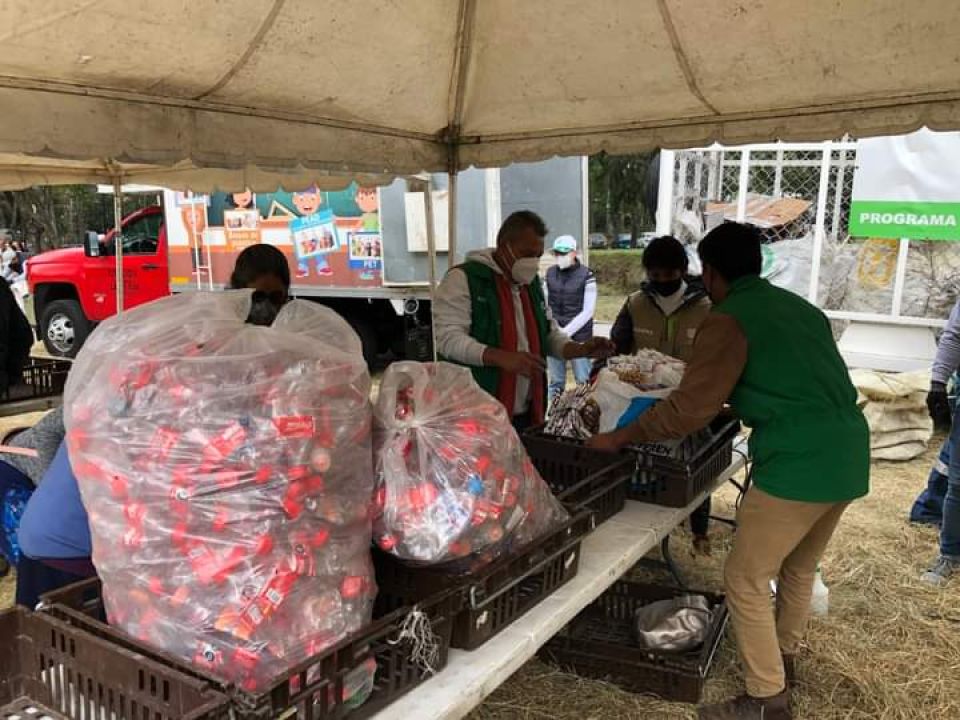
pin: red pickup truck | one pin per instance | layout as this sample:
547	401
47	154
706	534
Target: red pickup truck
75	288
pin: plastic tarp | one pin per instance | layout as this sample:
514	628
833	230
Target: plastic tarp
251	91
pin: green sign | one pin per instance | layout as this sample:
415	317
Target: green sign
905	219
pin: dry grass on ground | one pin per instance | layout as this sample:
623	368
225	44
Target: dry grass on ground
889	650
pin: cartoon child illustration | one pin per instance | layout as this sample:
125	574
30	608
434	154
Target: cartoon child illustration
307	203
366	199
243	200
194	222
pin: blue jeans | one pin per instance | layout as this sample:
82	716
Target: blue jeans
947	487
928	507
557	373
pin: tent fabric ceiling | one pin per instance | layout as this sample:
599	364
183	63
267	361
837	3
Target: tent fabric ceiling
255	90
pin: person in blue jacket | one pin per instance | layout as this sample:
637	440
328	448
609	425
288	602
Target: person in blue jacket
54	535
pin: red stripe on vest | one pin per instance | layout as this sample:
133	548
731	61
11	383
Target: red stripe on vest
507	387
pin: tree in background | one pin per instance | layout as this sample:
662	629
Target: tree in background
49	217
621	190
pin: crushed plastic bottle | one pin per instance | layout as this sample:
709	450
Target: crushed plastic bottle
820	600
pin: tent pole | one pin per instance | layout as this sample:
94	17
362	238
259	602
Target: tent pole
118	238
452	220
665	189
819	230
432	257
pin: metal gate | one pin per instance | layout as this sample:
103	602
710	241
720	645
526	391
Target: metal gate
799	195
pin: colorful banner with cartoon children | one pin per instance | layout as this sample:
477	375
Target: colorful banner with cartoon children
331	238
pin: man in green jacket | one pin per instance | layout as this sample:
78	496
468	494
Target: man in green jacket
772	355
490	315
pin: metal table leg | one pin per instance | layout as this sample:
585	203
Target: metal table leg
667	563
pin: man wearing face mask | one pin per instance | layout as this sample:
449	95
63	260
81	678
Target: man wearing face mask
263	269
772	355
572	297
664	315
667	310
490	315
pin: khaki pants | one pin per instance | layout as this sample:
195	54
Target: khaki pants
781	539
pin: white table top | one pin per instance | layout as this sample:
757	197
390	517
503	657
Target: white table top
606	554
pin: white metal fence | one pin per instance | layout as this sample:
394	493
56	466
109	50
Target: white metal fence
799	194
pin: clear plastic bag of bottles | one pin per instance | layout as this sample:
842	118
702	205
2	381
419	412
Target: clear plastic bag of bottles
454	483
227	472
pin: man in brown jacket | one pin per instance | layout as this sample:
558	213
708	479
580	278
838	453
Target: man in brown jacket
666	311
664	315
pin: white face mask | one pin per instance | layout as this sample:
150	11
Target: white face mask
524	270
564	261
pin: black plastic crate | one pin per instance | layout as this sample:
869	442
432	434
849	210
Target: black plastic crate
51	668
39	379
581	476
676	477
309	691
599	643
492	597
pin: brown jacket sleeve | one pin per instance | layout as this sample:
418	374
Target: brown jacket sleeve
719	356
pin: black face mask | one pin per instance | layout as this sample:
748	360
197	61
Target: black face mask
665	289
263	311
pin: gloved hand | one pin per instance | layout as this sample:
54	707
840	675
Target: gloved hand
938	405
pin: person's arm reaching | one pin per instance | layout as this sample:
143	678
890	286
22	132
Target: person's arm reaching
948	349
452	320
589	307
621	335
719	356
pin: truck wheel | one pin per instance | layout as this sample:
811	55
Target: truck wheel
64	328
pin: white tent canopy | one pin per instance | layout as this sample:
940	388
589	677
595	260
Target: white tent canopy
252	92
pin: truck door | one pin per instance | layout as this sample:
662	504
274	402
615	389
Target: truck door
144	268
144	271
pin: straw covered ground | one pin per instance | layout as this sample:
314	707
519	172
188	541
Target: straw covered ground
889	649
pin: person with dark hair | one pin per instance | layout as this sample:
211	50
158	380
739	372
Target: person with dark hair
265	270
666	311
56	554
490	315
771	354
664	315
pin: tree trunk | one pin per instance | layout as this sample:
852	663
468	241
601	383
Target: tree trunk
608	215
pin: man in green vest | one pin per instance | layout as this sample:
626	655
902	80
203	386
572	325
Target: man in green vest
490	315
772	355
